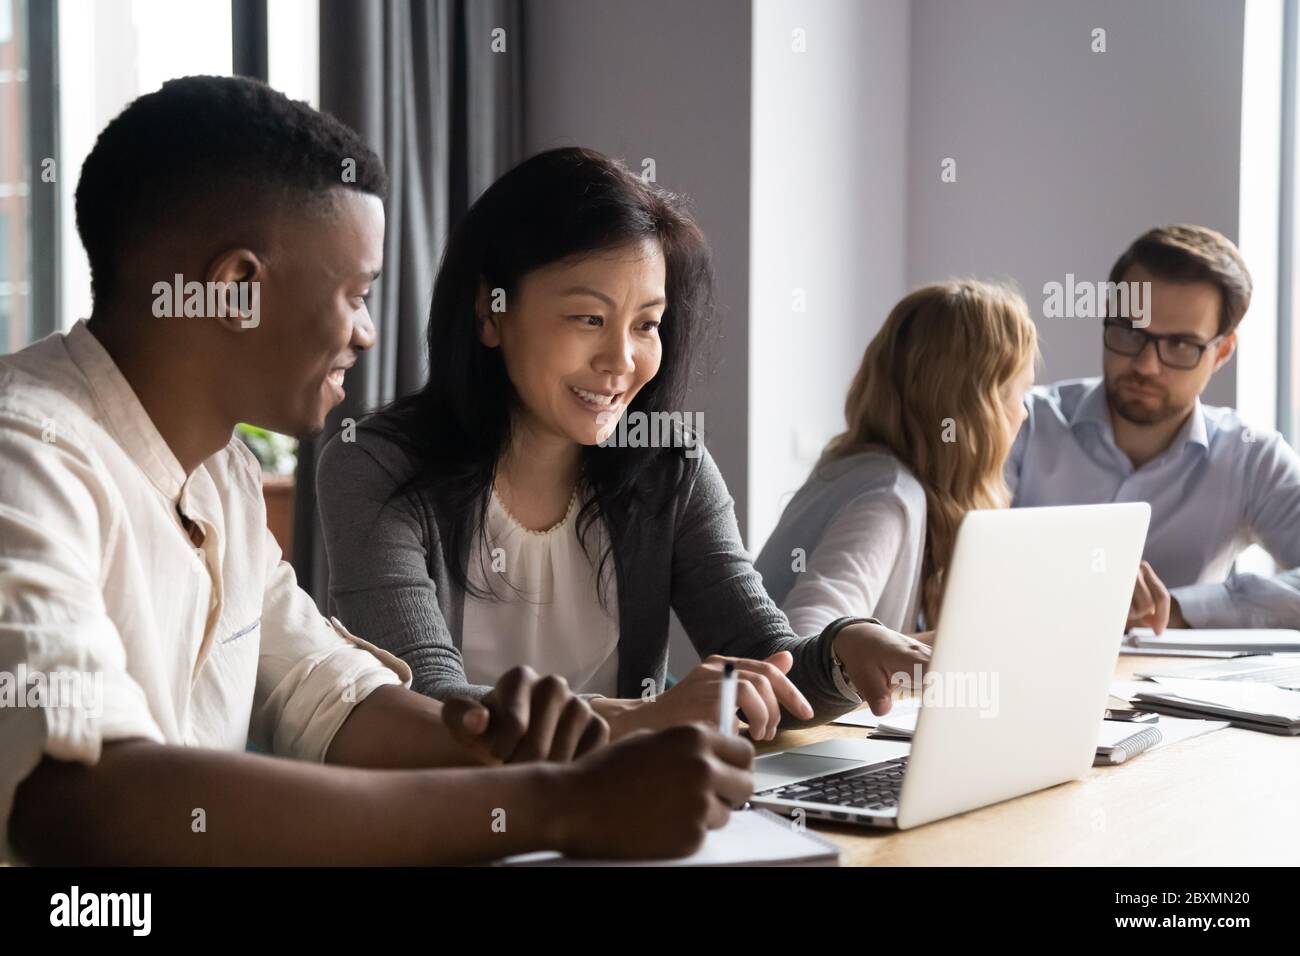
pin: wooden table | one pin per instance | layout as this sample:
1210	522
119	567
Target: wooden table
1231	797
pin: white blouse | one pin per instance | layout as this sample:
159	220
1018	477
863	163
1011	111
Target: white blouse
868	560
545	612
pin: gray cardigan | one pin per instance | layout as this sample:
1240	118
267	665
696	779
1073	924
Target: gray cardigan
390	584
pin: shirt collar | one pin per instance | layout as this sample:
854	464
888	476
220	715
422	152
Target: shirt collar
125	417
1093	408
1195	431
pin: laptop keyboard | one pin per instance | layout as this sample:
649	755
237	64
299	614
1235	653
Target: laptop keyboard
868	788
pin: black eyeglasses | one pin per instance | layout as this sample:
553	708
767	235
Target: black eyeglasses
1176	351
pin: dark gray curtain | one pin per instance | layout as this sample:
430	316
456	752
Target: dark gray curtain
421	82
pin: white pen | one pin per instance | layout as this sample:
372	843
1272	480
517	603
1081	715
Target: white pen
727	704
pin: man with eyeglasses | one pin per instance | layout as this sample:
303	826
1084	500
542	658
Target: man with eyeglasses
1140	433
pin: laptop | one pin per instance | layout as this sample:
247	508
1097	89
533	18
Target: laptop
1029	633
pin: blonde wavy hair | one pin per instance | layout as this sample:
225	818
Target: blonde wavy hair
929	391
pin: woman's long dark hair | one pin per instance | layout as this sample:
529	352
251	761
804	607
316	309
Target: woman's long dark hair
555	206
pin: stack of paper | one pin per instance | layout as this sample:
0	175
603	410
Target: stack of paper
1254	706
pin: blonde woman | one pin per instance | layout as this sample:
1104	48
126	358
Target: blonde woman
932	414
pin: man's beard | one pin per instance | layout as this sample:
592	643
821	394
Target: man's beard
1140	412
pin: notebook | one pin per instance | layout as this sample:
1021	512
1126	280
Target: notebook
1120	740
750	838
1134	651
1169	730
1247	640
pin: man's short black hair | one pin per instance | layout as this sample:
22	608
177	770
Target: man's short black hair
204	138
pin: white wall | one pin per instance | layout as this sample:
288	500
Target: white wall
828	223
1064	155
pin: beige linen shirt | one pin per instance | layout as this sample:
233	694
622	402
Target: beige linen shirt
113	623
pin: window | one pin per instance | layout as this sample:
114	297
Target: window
110	52
15	304
293	45
1265	393
99	55
1288	295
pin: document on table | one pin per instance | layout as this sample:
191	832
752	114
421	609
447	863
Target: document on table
863	717
750	838
1112	732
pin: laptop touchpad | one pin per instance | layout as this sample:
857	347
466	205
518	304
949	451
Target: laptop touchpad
776	770
825	756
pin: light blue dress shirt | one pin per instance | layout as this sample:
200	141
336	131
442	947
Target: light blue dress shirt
1218	488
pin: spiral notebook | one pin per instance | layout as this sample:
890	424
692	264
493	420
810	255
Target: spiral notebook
1120	740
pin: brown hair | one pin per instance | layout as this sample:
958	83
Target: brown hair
937	364
1184	253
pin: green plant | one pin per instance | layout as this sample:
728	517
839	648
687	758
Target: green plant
277	454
